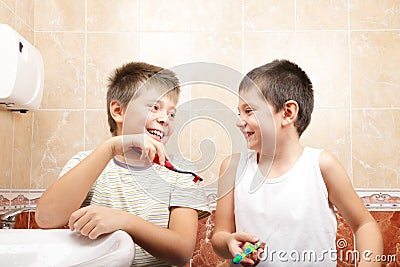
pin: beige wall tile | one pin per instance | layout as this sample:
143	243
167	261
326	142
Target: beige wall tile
63	57
375	74
209	139
261	48
6	151
210	174
58	135
321	15
11	4
24	30
214	136
96	128
25	11
215	97
105	52
180	48
205	137
178	145
269	15
59	15
329	72
22	150
330	130
191	15
372	14
238	34
6	15
376	147
112	15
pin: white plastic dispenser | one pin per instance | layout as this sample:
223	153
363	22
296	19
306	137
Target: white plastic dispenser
21	72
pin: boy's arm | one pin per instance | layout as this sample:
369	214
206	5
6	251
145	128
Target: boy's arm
342	195
174	245
67	193
224	214
225	241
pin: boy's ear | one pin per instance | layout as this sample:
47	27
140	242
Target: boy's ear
290	111
116	111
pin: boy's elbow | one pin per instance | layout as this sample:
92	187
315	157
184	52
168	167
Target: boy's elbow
182	256
45	220
42	220
181	261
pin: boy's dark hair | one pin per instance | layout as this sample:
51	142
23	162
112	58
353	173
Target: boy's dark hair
126	80
281	81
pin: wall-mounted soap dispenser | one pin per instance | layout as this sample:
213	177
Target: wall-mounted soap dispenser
21	72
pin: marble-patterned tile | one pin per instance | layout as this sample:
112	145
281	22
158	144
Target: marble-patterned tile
205	137
330	130
24	30
329	72
204	254
269	15
375	76
6	15
58	135
212	96
112	15
344	243
10	4
321	15
63	57
25	11
96	128
101	63
22	150
59	15
375	142
192	15
262	47
371	14
389	223
6	144
220	48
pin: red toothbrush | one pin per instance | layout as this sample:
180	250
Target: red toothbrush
169	165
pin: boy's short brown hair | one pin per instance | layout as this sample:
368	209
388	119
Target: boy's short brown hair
125	82
281	81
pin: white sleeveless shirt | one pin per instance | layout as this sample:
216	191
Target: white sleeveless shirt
290	213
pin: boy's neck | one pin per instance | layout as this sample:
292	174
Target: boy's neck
284	158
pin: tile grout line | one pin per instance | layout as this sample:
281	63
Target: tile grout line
350	92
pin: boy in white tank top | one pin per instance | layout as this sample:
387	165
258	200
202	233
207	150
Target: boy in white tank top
279	191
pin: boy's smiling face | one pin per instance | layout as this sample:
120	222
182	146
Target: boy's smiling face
256	120
151	112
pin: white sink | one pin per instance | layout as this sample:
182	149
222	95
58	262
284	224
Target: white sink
61	247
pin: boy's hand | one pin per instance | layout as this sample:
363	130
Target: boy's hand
237	244
93	221
122	145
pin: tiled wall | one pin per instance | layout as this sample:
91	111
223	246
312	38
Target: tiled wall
348	48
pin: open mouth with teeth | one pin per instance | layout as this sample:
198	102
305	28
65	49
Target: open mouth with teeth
158	135
249	134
